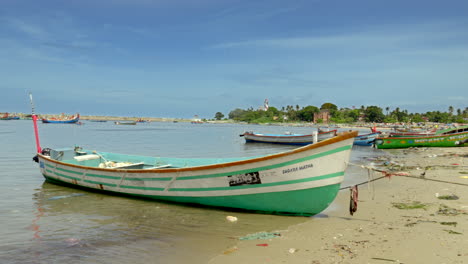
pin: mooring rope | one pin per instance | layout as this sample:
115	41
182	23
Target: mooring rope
388	174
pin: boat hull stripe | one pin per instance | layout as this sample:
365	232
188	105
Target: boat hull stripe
63	175
316	178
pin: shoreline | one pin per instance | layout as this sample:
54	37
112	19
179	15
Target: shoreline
384	229
356	125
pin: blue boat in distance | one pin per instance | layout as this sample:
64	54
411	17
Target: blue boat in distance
366	139
62	119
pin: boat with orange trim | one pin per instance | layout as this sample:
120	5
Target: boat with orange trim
62	119
451	137
288	138
302	181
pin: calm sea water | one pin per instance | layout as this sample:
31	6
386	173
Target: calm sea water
45	223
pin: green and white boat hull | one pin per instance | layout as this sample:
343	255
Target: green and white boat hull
302	181
442	140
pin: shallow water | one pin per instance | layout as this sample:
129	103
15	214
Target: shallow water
46	223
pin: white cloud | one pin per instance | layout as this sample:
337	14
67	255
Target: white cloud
375	38
30	29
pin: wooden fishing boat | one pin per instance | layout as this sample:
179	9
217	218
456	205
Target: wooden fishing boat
7	116
453	137
62	119
366	139
125	123
302	181
288	138
418	133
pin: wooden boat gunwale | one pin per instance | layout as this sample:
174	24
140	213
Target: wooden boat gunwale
340	137
393	144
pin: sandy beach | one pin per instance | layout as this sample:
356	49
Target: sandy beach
417	217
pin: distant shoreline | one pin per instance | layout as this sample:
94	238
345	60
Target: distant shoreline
378	126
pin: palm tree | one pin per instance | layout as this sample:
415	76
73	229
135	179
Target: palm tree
450	109
387	109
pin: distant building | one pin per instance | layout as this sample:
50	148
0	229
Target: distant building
264	107
323	115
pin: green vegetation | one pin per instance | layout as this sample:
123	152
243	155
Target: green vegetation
343	115
219	116
452	232
449	223
448	197
412	205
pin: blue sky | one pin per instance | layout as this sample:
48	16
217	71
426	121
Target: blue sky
180	58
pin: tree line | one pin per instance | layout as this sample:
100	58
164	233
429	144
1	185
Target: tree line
343	115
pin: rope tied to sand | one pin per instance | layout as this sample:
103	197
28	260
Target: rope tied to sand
389	174
386	174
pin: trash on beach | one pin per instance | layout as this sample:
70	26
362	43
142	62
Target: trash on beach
230	250
449	223
452	232
419	222
464	177
386	259
261	235
262	245
231	218
445	210
447	197
344	248
412	205
292	250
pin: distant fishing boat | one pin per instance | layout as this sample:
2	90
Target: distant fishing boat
62	119
413	133
7	116
196	120
452	137
366	139
125	122
287	138
102	121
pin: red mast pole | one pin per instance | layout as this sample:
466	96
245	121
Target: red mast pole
36	132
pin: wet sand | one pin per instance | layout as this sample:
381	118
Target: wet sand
418	218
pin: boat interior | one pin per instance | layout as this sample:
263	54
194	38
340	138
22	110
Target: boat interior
94	159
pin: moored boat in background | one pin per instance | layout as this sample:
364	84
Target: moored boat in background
413	133
452	137
7	116
62	119
125	122
366	139
288	138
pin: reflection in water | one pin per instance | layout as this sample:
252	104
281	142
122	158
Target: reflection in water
74	225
